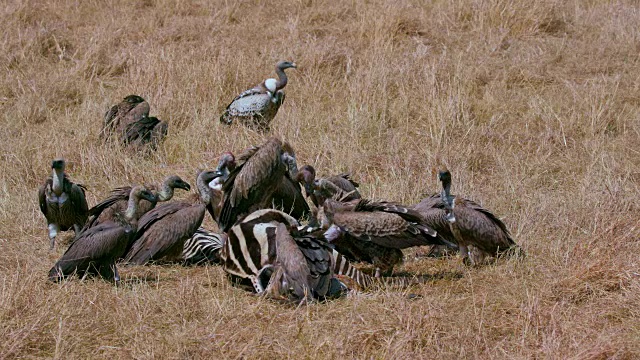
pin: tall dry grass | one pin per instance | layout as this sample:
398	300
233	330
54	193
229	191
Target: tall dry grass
534	106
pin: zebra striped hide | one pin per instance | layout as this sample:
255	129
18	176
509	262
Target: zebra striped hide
203	248
253	256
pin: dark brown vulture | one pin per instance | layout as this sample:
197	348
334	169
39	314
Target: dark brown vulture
62	202
115	205
162	231
375	232
95	250
252	184
131	109
477	232
146	131
257	107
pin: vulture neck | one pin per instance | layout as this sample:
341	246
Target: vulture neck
282	79
449	201
132	208
58	181
204	190
165	193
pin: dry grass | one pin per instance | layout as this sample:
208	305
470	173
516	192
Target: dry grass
534	106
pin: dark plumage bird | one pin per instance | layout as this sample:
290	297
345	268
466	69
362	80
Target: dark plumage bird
162	231
62	202
146	131
375	232
258	106
115	205
477	232
131	109
95	250
303	267
252	184
340	186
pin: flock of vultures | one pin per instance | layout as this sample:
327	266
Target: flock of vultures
270	238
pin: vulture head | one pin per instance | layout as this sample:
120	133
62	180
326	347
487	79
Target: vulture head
141	192
169	184
449	202
306	175
203	182
286	65
288	158
175	182
134	99
226	165
58	164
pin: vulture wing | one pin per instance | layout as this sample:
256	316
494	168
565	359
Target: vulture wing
163	230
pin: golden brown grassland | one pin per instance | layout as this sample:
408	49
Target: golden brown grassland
533	105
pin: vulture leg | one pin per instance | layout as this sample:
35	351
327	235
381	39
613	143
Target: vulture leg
53	232
116	275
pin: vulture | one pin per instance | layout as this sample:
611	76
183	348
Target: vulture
116	121
477	232
95	250
286	197
146	131
340	186
303	268
252	185
258	106
375	232
62	202
116	204
162	231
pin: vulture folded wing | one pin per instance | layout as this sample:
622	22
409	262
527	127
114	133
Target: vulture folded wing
288	198
319	261
384	229
101	244
250	183
140	130
163	230
42	196
293	263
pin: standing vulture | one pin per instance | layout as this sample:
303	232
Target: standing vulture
477	232
115	205
251	185
162	231
95	250
62	202
131	109
258	106
375	232
340	186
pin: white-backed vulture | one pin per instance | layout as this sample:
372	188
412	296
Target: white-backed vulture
258	106
374	232
115	205
162	231
62	202
252	184
477	232
95	250
131	109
